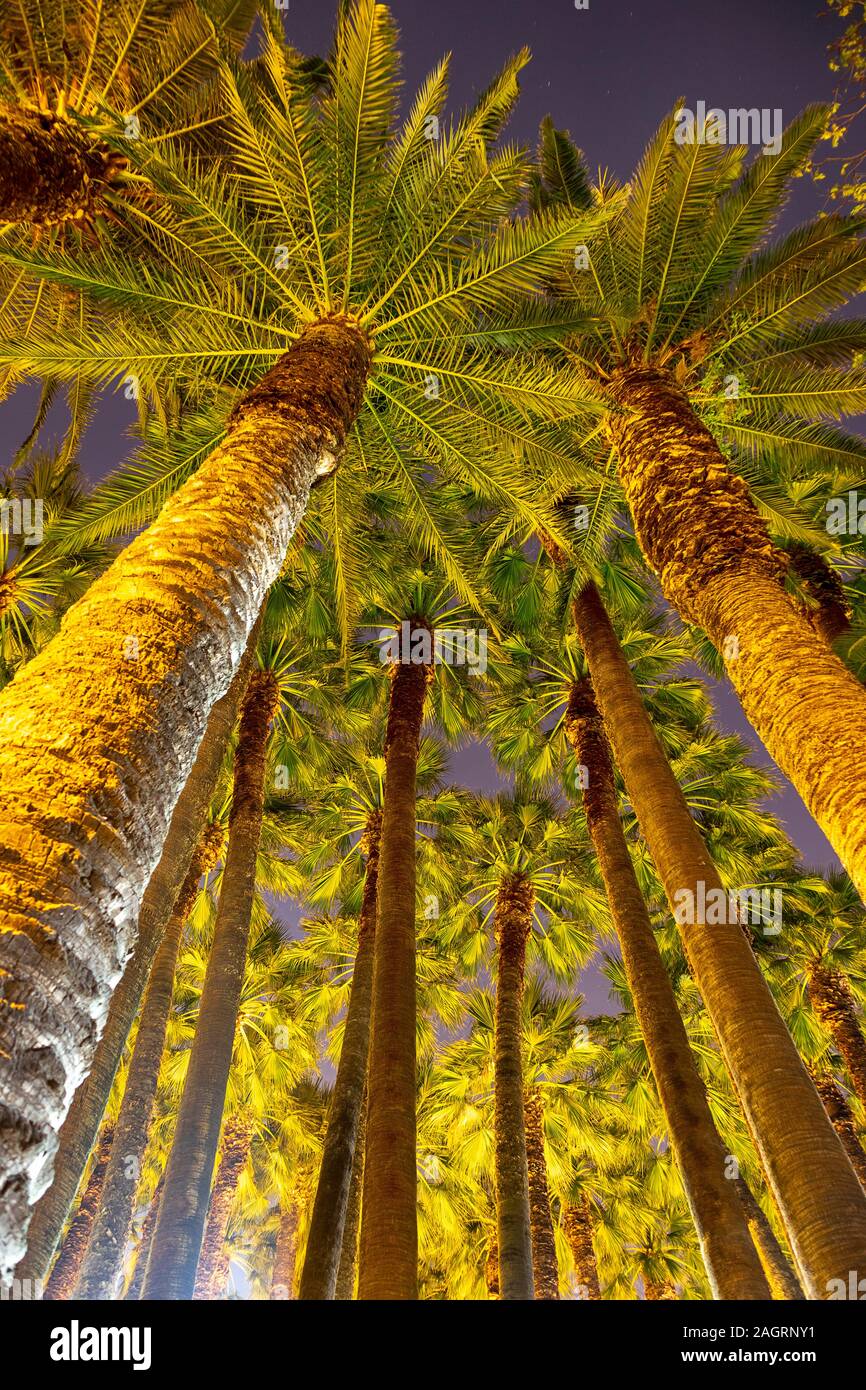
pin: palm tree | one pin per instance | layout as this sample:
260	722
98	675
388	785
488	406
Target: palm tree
61	69
544	1263
318	186
64	1274
720	363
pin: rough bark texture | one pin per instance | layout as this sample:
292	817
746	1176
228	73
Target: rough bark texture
51	169
781	1278
177	1242
213	1266
98	734
61	1283
389	1220
81	1125
703	536
491	1267
659	1291
577	1222
145	1241
513	925
815	1188
327	1223
544	1264
834	1004
842	1119
347	1275
831	615
103	1264
731	1260
285	1259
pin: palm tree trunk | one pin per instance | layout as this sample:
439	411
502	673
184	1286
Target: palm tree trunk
544	1263
347	1275
51	169
327	1223
842	1120
145	1241
658	1291
62	1280
103	1262
285	1259
513	925
177	1242
814	1186
491	1267
703	536
577	1221
98	734
81	1125
389	1218
733	1267
781	1278
213	1265
834	1004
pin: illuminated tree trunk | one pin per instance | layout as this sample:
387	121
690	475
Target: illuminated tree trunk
174	1258
328	1220
103	1263
544	1263
389	1219
834	1004
61	1283
81	1125
513	925
577	1223
733	1267
285	1258
815	1188
347	1275
213	1265
842	1119
705	539
780	1276
98	734
136	1283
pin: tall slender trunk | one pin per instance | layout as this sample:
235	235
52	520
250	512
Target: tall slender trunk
544	1263
61	1282
177	1242
389	1217
347	1275
513	925
834	1004
491	1267
51	168
98	734
704	537
81	1125
213	1265
145	1241
328	1220
781	1278
842	1120
815	1188
577	1222
286	1255
103	1263
732	1263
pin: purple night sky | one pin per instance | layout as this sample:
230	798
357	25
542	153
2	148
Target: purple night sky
607	74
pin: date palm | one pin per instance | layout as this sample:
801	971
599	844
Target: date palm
271	286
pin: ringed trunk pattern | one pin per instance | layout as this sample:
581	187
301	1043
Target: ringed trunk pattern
213	1265
177	1242
51	169
703	535
328	1220
389	1219
347	1275
842	1119
577	1222
834	1004
285	1257
544	1264
95	748
513	925
78	1134
61	1283
731	1260
814	1186
781	1278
